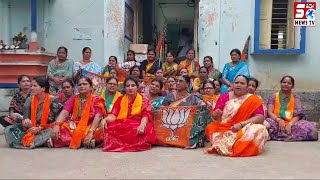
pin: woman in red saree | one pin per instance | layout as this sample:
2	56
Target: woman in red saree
237	128
129	127
85	111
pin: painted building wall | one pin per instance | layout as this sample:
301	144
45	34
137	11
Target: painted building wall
75	24
225	25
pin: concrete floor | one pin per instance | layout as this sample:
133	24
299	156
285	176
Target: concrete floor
300	160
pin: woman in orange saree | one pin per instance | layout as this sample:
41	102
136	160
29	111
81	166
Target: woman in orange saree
86	112
237	128
130	126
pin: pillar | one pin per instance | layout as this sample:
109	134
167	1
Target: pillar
209	30
114	14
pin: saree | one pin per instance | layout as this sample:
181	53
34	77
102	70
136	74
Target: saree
214	74
248	141
90	67
150	68
110	102
74	130
157	102
41	115
64	69
169	69
197	84
192	67
121	135
287	108
230	73
62	97
190	100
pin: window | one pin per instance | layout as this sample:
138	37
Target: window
274	29
129	20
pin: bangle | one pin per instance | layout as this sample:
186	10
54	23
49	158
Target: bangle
91	130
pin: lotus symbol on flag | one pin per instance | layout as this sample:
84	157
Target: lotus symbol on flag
174	119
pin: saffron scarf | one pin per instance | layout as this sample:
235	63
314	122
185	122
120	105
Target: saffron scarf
28	139
244	112
124	104
79	132
110	102
284	110
189	67
177	102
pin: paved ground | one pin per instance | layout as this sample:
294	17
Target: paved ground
299	160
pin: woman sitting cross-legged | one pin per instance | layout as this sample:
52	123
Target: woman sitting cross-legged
39	113
130	126
285	116
237	128
17	102
79	120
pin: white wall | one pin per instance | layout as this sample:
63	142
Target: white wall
229	22
304	68
4	21
61	19
13	20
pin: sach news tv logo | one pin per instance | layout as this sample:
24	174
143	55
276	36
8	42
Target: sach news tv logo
305	14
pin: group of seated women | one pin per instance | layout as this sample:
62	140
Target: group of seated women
124	121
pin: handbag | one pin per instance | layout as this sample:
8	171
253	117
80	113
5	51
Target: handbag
13	134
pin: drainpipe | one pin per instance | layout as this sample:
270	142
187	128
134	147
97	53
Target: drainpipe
33	45
33	15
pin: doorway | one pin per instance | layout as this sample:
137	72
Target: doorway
177	18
